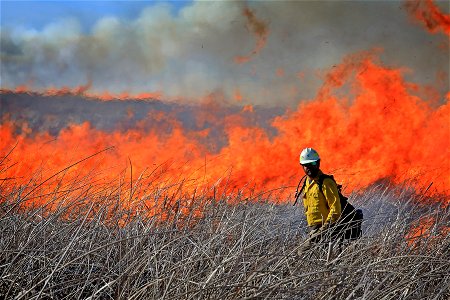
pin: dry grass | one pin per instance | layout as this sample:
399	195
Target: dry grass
85	249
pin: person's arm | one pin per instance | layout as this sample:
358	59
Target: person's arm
331	194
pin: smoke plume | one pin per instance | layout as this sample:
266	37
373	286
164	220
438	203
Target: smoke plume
191	54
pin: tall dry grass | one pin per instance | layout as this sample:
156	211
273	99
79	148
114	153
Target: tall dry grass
84	244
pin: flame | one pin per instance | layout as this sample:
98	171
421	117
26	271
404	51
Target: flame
429	15
21	89
248	108
379	129
83	90
425	228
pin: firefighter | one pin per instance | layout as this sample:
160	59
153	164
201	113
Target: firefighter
322	207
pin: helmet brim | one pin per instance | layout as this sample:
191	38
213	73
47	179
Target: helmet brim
308	161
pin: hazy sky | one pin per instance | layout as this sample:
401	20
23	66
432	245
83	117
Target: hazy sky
259	52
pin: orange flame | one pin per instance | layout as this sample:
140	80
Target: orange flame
380	129
425	228
248	108
83	90
429	15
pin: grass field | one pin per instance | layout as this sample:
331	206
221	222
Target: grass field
82	249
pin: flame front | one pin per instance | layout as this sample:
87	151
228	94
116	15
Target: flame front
380	129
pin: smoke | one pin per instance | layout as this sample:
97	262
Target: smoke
193	53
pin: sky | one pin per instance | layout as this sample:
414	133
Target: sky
272	53
37	14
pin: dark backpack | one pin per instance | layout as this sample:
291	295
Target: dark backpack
350	220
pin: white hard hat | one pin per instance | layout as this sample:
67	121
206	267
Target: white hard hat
308	155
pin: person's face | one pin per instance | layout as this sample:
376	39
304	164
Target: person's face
311	169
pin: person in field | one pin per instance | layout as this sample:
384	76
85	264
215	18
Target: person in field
320	200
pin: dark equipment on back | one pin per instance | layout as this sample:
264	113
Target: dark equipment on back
350	220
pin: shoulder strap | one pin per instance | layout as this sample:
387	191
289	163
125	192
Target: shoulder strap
322	178
297	191
303	186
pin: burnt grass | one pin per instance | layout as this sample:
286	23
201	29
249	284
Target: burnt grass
86	249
